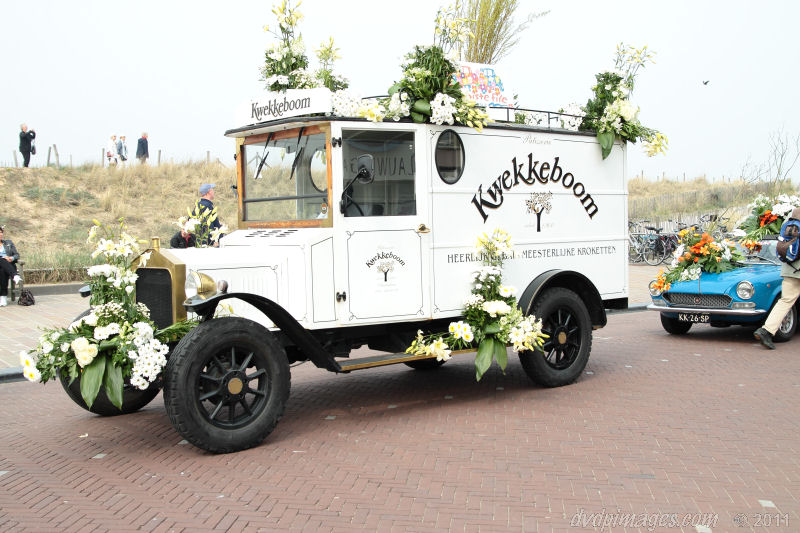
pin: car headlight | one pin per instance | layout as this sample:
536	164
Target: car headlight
744	290
653	290
199	284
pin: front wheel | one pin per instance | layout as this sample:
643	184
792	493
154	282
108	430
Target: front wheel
674	326
565	353
788	326
226	385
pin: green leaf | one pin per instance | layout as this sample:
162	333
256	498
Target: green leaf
113	383
606	141
483	359
91	379
493	327
501	354
417	117
422	106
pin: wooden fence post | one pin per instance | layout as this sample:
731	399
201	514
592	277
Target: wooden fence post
49	148
102	157
58	163
70	160
208	157
16	163
159	157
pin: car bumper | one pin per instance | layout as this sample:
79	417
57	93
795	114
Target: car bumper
706	310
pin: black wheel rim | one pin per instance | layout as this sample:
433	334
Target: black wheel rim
232	387
788	322
564	342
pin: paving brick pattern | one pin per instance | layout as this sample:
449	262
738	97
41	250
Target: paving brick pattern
658	424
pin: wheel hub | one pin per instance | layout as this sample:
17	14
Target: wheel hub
561	338
233	384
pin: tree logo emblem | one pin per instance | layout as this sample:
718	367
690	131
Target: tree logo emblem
538	203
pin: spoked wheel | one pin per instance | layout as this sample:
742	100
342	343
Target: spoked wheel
226	385
788	326
565	353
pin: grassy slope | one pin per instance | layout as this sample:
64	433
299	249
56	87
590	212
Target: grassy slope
47	212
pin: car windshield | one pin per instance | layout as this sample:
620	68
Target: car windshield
765	255
286	178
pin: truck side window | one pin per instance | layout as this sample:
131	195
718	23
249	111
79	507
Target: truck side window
392	191
449	157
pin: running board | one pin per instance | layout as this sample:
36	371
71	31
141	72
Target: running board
388	359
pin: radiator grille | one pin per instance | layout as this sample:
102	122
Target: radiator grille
717	301
154	289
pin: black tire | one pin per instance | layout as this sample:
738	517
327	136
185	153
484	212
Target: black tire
674	327
424	364
564	355
207	390
133	399
788	326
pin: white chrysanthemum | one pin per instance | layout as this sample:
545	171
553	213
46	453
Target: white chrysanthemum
506	291
496	307
32	374
65	347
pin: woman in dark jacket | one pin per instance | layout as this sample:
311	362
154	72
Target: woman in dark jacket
8	266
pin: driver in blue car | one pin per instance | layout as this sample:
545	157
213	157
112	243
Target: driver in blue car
790	287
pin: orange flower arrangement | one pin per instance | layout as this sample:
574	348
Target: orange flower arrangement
767	218
752	246
697	253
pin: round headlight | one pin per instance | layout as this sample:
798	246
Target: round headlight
653	290
744	290
199	284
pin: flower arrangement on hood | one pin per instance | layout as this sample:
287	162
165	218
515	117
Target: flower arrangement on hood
611	113
285	62
767	215
492	320
115	340
696	253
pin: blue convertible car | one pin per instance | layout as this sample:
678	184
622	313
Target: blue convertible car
743	297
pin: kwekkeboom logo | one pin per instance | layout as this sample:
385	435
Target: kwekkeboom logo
276	108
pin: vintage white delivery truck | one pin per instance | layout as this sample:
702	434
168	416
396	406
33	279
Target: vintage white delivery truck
354	233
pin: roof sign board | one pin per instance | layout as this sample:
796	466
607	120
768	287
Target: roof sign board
483	84
292	103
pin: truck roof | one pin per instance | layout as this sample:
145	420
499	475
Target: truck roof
265	127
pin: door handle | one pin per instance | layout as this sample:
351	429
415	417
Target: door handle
423	229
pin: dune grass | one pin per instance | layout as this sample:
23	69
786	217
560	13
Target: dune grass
48	211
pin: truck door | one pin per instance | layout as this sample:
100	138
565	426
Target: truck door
382	228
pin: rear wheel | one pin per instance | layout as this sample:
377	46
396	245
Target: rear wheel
788	326
226	385
565	353
654	253
133	399
674	326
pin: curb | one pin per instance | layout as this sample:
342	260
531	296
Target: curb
10	375
632	308
54	288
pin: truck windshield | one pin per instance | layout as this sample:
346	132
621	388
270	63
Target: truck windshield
286	178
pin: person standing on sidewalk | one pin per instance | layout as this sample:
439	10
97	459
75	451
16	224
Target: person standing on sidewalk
26	138
8	267
790	290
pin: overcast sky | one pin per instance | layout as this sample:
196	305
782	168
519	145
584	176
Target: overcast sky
78	71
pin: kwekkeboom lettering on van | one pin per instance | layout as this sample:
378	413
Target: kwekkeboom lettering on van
276	108
543	172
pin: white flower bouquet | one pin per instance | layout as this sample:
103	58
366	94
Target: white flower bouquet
492	320
115	340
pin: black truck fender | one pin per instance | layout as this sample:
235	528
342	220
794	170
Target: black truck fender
568	279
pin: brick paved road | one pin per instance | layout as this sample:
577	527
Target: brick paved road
659	424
